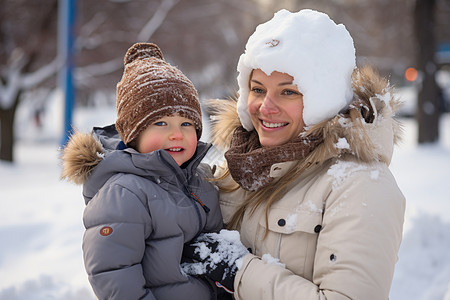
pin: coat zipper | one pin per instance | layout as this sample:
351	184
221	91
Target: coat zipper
190	195
205	208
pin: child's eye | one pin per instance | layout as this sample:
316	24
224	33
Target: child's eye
160	123
187	124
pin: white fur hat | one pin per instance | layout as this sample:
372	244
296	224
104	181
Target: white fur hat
310	47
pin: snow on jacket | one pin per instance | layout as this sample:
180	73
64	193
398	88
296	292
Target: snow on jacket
140	210
339	227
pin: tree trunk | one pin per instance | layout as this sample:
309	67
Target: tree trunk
428	106
7	132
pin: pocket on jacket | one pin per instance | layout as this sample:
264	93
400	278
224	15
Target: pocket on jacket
293	238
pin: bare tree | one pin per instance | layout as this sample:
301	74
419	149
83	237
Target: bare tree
26	59
428	109
28	55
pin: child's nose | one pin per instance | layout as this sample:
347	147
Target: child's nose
176	134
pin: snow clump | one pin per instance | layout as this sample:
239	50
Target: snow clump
318	53
229	251
270	260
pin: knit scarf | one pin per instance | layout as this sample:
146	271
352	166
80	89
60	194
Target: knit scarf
250	163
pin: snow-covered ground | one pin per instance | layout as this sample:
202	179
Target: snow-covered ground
41	216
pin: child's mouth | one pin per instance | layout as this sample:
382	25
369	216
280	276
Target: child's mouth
175	149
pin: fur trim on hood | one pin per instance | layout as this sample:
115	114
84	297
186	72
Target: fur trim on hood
85	151
366	129
81	155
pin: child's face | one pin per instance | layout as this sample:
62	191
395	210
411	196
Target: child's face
174	134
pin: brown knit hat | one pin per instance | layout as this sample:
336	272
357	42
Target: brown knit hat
151	88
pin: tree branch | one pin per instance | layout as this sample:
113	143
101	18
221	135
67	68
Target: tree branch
83	74
157	19
31	80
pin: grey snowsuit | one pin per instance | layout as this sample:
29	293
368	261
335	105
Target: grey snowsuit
140	210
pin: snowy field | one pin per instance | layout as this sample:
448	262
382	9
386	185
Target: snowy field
41	217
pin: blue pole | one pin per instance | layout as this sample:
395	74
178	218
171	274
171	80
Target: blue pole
67	22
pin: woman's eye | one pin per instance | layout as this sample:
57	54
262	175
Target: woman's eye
257	90
290	92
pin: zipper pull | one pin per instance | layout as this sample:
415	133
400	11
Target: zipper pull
205	208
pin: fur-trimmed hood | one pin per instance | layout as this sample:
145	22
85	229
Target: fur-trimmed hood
367	129
80	156
92	158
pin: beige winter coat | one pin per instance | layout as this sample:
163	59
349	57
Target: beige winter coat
337	232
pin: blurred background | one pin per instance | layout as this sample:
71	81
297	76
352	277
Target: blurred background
60	61
408	41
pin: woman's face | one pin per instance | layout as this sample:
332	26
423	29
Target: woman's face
276	107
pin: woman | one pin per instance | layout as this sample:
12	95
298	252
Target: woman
306	181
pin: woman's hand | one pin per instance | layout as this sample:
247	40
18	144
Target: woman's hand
215	255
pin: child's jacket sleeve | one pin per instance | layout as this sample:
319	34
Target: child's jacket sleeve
117	225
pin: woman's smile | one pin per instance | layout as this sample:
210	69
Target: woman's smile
271	125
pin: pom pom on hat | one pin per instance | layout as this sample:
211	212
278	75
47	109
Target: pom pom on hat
150	89
142	50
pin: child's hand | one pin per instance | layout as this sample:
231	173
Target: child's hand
217	256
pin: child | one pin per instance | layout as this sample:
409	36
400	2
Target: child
145	197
